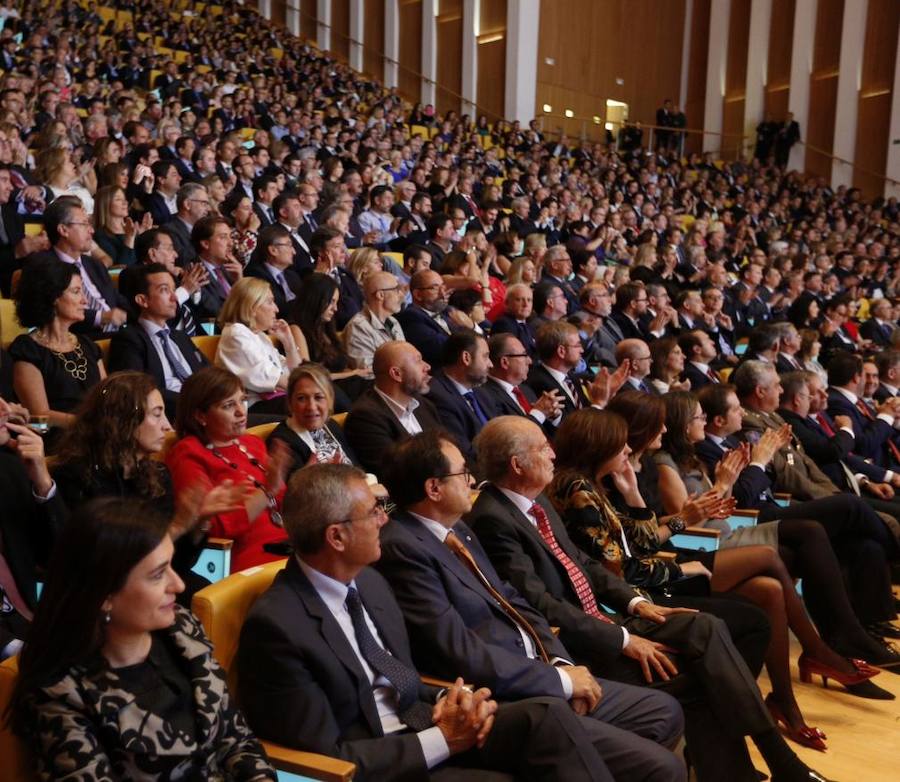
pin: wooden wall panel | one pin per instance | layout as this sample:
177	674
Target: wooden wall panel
492	59
373	38
697	61
309	11
340	28
735	79
819	132
876	94
278	12
449	55
596	43
410	57
781	36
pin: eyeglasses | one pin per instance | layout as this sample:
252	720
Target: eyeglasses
641	358
76	222
385	290
514	355
382	506
281	244
466	473
701	417
198	201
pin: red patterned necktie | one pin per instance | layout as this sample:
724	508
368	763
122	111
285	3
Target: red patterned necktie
520	398
579	581
823	422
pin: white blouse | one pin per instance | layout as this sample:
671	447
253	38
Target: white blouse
253	358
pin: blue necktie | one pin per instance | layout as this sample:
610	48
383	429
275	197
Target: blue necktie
476	408
174	363
414	712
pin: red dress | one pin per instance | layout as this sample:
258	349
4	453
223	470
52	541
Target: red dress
192	463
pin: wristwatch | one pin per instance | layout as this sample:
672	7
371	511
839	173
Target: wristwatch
676	524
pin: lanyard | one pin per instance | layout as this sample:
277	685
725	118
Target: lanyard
274	514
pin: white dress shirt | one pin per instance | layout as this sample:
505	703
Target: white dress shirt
172	381
253	358
405	415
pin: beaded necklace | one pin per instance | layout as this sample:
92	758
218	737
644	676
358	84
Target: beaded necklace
274	514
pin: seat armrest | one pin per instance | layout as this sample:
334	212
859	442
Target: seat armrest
221	544
309	764
433	681
701	532
665	556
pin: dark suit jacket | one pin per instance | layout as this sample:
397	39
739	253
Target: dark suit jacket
262	272
181	238
27	531
502	403
782	364
131	348
455	625
871	436
351	299
880	335
371	427
508	325
698	379
628	328
156	205
882	394
828	452
263	215
522	557
301	684
421	330
212	297
15	230
540	380
752	481
455	413
300	451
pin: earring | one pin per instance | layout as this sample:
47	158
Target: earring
107	615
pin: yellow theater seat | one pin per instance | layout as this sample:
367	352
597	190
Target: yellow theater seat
207	345
15	758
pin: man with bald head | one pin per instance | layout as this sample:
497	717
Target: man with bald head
519	303
638	353
374	324
394	408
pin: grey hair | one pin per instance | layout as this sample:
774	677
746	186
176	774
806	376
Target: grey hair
749	375
554	251
316	498
498	441
187	191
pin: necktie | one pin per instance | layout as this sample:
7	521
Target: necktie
524	334
223	280
415	713
823	422
576	575
520	398
570	387
463	554
188	326
168	350
94	299
470	397
288	293
310	221
439	319
712	375
867	413
642	386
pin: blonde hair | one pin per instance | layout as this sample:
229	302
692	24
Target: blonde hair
318	375
360	260
49	163
102	202
245	296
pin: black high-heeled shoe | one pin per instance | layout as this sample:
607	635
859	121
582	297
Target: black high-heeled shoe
870	690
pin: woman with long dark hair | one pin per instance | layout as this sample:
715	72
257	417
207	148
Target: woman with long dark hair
116	681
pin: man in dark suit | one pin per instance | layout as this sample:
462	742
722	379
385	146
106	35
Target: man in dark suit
456	388
464	620
519	302
162	202
630	307
265	190
149	344
879	328
505	388
272	261
212	241
31	513
557	268
888	364
14	245
873	427
193	204
425	322
595	300
699	353
71	236
528	544
324	664
394	408
289	215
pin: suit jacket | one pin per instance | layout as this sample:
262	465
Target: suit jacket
181	238
300	451
131	348
882	393
301	684
89	724
829	451
502	403
263	214
456	627
351	299
876	332
422	331
795	472
156	205
752	483
629	329
540	380
261	271
523	559
524	332
698	379
455	413
15	230
371	427
871	436
212	297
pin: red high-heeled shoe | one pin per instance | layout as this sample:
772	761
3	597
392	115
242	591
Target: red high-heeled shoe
810	665
804	735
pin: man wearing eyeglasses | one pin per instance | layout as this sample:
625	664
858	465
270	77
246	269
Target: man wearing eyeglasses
637	352
426	322
464	620
193	205
375	324
273	261
325	665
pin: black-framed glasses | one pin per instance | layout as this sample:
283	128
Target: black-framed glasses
386	290
466	473
514	355
383	505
